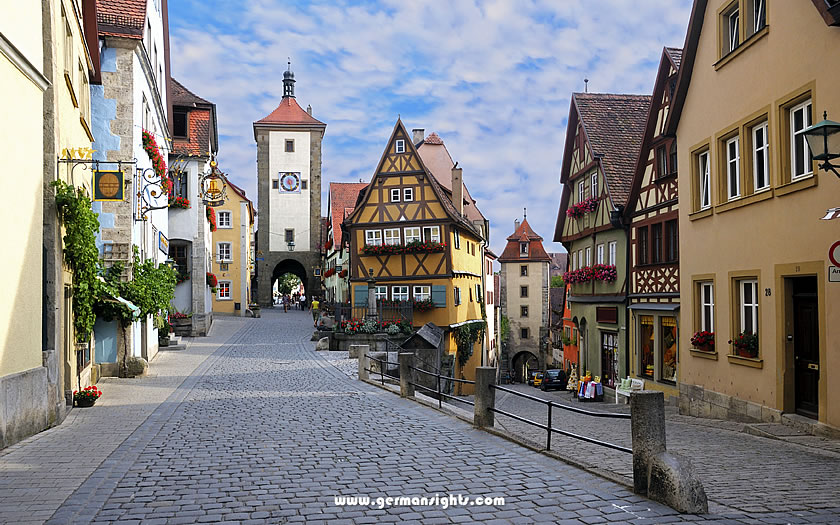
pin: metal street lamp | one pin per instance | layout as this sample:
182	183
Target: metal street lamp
823	140
291	245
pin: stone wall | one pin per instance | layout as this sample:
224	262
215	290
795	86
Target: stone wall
25	407
698	402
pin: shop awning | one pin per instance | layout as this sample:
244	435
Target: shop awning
656	307
832	213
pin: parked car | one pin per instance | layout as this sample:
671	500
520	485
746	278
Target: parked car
531	376
538	379
554	378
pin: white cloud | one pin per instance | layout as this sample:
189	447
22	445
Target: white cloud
494	79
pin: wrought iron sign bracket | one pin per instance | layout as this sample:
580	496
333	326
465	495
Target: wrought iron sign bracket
93	165
149	190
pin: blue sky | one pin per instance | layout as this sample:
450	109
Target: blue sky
493	79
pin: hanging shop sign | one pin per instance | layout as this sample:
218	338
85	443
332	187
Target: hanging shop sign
108	186
163	243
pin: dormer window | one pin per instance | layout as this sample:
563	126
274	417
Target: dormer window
400	146
179	123
523	249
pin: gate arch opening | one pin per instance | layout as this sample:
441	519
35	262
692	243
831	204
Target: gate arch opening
291	266
521	364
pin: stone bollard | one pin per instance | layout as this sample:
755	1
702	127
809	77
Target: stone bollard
485	396
407	381
658	474
363	363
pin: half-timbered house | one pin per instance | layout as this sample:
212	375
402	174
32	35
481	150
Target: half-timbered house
603	137
421	242
654	298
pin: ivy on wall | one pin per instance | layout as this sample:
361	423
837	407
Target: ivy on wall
466	336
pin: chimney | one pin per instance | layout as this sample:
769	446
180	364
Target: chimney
418	134
457	189
309	110
515	225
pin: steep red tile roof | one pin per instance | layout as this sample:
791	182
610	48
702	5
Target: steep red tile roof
343	196
201	124
536	251
433	138
181	96
614	126
289	112
125	18
437	159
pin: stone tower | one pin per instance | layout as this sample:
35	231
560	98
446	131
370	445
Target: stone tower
289	194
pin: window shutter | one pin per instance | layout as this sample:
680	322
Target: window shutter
360	295
439	296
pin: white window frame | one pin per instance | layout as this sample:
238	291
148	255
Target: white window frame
589	256
613	247
707	321
225	215
457	291
380	292
399	146
433	233
523	270
408	194
580	259
581	191
599	254
220	291
221	248
399	293
733	167
760	153
456	239
373	237
593	183
392	236
748	309
759	15
705	180
478	292
523	249
574	261
412	233
395	195
733	36
795	135
421	293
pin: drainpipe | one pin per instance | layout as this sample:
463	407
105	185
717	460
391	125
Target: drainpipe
617	220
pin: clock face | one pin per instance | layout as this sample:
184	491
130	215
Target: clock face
289	182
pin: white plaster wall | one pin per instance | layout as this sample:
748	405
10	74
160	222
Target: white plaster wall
289	210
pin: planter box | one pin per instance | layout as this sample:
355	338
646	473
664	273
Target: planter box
85	403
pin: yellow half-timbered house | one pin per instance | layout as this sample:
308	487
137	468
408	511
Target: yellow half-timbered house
421	238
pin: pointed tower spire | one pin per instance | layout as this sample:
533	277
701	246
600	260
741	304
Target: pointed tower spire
289	82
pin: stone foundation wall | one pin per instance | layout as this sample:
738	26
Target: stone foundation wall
24	407
698	402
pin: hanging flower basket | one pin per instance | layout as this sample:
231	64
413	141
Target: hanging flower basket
211	218
151	148
87	397
212	281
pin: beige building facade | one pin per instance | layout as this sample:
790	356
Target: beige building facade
232	263
753	248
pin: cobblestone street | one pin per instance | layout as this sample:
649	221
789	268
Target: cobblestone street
252	425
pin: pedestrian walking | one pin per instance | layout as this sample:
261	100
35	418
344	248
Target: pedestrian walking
285	304
315	309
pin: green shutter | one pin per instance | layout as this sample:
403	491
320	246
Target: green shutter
360	295
439	295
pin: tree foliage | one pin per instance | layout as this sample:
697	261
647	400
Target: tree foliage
557	281
287	282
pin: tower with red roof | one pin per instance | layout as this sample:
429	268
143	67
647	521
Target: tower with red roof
289	194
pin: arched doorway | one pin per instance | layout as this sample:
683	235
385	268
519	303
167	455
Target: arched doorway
292	267
521	364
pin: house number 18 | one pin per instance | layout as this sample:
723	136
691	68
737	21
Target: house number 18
767	292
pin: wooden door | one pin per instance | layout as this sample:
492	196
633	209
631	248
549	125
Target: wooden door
609	359
806	345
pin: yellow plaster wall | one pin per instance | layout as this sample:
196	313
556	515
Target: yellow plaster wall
233	274
784	228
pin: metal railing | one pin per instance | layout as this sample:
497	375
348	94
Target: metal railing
550	429
438	390
382	372
396	312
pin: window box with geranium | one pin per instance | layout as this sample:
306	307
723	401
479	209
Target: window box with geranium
87	397
328	244
342	274
211	218
179	202
703	340
382	249
576	211
425	247
599	272
745	345
212	280
329	273
424	305
158	164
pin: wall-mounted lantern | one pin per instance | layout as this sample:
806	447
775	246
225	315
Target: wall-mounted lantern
214	186
823	140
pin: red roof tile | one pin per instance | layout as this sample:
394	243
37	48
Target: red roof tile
614	126
440	164
536	251
433	138
125	18
289	112
181	96
343	196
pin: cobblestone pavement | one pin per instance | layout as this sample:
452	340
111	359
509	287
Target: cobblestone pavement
259	428
740	472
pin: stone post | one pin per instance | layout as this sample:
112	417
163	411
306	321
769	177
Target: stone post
372	313
363	364
407	380
658	474
485	396
647	427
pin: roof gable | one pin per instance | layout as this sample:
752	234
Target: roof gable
123	18
524	233
289	113
342	201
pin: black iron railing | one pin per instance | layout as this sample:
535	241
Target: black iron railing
549	429
439	391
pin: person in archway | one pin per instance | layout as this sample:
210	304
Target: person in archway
285	303
315	309
303	301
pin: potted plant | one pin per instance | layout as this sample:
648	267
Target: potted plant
745	344
703	341
87	397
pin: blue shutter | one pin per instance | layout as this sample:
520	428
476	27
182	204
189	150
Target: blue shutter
439	295
360	295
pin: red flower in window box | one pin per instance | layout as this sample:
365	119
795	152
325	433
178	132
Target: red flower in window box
212	280
578	210
211	218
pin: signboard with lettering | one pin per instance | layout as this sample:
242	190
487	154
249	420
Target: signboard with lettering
833	274
163	243
108	186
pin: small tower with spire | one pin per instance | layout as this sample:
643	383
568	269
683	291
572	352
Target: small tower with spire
289	81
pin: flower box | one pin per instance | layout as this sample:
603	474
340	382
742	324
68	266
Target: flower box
703	340
576	211
745	345
87	397
179	202
397	249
